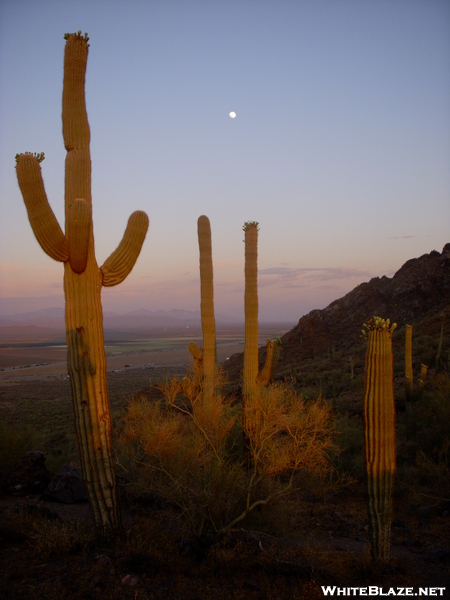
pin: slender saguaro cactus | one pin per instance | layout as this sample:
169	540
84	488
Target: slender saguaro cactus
422	378
83	281
253	380
438	355
251	310
205	360
408	363
379	414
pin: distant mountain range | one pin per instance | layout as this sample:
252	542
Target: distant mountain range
49	323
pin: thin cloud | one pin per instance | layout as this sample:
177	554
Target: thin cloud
401	237
314	273
289	278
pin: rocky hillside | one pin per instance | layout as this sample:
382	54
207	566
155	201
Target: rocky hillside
418	294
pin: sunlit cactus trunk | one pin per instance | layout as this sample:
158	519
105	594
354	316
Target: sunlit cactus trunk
379	414
83	281
253	379
205	359
251	312
409	390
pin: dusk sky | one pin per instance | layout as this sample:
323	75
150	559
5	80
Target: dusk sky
340	148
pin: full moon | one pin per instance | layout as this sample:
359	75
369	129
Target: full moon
232	114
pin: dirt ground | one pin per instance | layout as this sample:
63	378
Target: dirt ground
326	545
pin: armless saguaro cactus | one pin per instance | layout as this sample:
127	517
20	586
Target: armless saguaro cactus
253	379
409	383
379	414
408	363
205	360
83	281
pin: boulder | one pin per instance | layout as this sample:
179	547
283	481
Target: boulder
28	476
66	486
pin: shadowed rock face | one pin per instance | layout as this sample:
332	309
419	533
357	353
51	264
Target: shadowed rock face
418	294
66	486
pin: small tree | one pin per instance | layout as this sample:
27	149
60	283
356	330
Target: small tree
189	450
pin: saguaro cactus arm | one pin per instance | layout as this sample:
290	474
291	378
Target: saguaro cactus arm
197	355
42	219
272	356
120	263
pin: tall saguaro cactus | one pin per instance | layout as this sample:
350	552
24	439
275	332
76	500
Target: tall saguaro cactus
253	379
379	414
205	360
83	281
251	310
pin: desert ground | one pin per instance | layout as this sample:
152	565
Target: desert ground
319	538
47	359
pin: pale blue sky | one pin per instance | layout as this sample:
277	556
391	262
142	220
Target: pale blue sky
340	148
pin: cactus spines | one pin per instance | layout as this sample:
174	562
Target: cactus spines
83	281
379	414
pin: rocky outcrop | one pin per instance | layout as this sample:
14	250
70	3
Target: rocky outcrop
418	294
66	486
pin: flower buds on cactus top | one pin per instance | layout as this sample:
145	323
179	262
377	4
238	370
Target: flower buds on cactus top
250	225
377	323
77	35
39	156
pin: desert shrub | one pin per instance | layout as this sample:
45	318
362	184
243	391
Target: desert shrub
309	393
188	451
430	477
47	535
431	416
